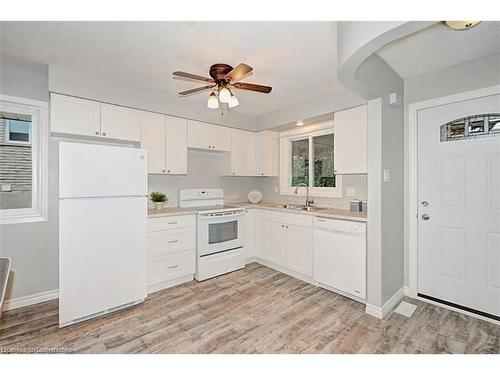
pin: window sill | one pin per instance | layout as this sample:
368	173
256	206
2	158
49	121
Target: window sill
21	219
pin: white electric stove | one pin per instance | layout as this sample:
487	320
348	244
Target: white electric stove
220	242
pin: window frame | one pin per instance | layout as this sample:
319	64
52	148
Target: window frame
39	148
285	175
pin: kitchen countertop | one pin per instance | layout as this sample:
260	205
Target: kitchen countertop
333	213
171	211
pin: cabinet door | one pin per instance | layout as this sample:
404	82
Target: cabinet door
220	138
299	249
199	135
242	153
74	116
267	153
275	242
153	140
120	123
260	243
249	233
176	145
350	140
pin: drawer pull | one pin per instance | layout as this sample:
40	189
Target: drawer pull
173	222
173	241
173	266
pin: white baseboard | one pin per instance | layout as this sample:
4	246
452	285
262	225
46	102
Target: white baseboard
382	312
169	283
15	303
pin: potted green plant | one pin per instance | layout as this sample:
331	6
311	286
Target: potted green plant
158	198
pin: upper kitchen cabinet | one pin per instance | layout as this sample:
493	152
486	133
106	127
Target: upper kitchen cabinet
74	115
176	142
241	159
120	122
165	138
350	140
153	139
204	136
267	153
70	115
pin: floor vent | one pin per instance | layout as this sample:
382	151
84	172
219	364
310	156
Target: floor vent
406	309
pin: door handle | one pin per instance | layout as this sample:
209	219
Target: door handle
425	203
425	217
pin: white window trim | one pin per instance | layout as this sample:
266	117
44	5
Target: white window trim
7	136
285	162
39	143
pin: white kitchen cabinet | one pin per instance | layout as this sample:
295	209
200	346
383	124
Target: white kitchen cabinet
267	153
176	145
165	138
204	136
171	251
275	242
241	160
350	141
250	231
153	140
120	122
77	116
299	245
287	241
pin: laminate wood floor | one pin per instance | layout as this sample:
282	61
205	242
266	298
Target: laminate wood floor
255	310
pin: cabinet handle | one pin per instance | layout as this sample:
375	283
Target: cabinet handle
234	173
163	170
168	171
173	241
173	266
96	133
104	134
173	222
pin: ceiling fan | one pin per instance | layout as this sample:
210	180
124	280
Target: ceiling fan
224	78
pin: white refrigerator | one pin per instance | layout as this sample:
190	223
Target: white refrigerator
102	229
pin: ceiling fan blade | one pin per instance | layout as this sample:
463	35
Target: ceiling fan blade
192	76
198	89
237	73
252	87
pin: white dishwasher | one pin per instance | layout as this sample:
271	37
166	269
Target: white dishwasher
340	255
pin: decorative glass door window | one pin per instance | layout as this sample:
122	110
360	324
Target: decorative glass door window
471	127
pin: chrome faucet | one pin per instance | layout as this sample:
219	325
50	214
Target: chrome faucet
309	199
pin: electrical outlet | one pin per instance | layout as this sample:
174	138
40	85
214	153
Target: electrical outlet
387	175
350	192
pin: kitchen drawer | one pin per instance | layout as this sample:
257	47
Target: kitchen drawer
288	218
171	222
171	241
169	267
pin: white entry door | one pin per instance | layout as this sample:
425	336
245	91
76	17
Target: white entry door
459	208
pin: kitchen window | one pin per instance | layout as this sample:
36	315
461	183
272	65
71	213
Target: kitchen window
23	160
307	158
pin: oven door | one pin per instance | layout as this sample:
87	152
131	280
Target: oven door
220	232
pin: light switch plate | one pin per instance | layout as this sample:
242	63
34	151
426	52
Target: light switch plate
350	192
387	175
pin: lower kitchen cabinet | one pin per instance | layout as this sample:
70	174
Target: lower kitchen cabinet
171	251
250	229
286	241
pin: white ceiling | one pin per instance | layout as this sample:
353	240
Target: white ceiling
299	59
438	47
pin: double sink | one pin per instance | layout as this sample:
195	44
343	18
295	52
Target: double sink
300	207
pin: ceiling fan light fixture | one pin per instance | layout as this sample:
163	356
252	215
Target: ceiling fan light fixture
213	102
233	101
461	25
224	95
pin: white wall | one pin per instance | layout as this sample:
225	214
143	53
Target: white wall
66	80
459	78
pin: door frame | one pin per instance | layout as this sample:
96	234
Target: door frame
413	109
